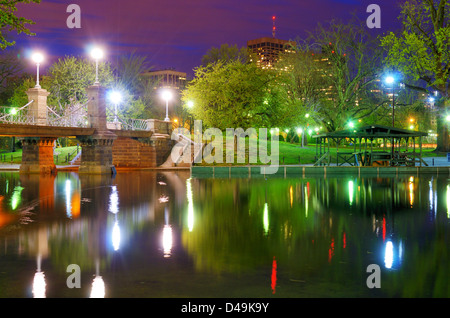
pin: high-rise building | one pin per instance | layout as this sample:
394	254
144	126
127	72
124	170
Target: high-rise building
267	50
167	79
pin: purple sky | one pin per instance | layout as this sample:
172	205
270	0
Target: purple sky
177	33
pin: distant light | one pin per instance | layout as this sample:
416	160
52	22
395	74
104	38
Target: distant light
98	288
115	97
190	104
37	57
166	95
389	80
389	254
299	130
351	124
447	118
97	53
13	111
307	115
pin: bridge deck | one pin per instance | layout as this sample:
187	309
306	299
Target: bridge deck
20	130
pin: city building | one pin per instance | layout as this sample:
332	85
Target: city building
167	79
267	50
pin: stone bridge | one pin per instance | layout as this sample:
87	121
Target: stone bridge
104	147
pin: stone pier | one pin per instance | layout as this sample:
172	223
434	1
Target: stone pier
37	155
37	152
96	156
37	111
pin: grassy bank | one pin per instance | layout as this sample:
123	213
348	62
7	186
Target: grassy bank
60	155
293	153
289	153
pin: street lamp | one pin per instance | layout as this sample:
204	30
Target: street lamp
167	95
390	80
37	58
96	54
115	97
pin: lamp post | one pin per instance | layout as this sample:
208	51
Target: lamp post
115	97
300	135
190	105
167	95
96	54
391	80
37	58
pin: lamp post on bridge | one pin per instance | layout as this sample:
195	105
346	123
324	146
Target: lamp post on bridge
115	97
37	58
96	54
167	95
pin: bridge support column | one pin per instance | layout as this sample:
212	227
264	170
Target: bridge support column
96	157
38	109
37	155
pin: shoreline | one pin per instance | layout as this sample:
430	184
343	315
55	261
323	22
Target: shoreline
436	165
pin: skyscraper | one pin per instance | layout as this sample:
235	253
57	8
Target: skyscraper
267	50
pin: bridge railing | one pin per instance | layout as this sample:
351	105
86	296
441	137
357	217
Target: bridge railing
120	122
74	118
12	115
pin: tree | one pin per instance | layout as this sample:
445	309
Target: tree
421	51
236	95
225	53
11	67
331	75
68	79
10	22
139	89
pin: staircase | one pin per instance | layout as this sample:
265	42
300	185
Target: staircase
76	161
180	156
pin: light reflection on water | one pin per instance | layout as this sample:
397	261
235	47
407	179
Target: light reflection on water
155	234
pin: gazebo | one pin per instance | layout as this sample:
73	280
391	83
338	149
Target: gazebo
373	145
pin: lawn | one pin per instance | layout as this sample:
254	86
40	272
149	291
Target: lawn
60	155
289	153
293	153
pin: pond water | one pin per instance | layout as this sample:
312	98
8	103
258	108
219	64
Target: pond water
166	235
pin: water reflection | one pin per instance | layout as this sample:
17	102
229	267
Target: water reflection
136	232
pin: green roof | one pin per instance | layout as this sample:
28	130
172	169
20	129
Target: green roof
373	131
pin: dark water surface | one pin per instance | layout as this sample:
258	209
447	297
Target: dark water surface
162	234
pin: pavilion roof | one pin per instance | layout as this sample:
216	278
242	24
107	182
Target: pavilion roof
372	131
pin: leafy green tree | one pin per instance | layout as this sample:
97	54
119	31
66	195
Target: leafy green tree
19	98
11	68
225	53
421	51
10	22
67	81
332	74
236	95
139	89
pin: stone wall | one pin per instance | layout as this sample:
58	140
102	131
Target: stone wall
140	153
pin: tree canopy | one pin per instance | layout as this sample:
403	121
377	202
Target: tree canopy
10	22
421	51
331	74
236	95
